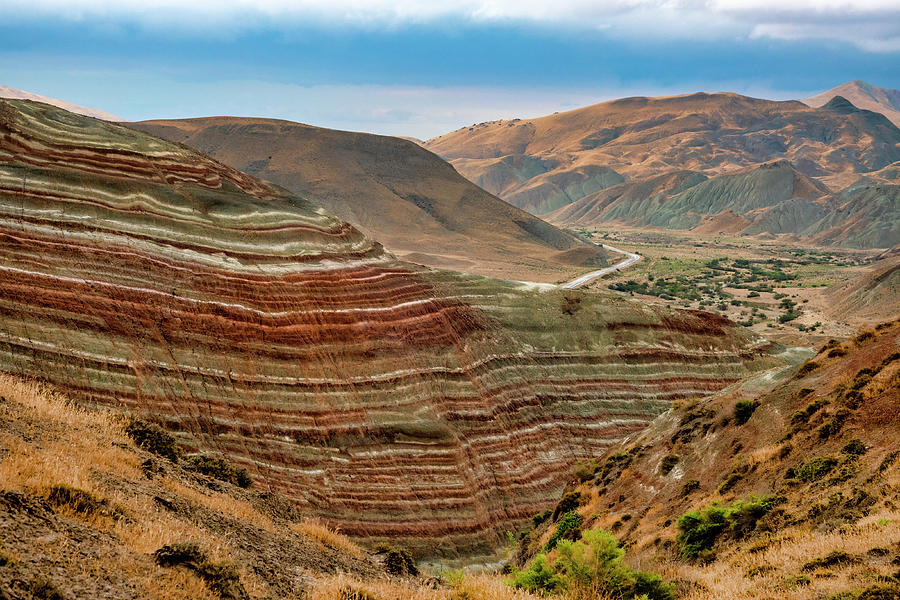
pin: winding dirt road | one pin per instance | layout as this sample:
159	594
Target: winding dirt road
588	277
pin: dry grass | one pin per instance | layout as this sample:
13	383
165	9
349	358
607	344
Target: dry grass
728	579
463	587
328	536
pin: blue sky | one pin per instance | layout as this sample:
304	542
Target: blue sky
424	68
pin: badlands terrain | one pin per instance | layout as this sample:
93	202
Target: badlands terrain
252	358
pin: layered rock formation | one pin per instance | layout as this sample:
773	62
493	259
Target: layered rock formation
394	191
392	400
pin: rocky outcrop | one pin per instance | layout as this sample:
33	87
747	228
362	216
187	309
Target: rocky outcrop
390	399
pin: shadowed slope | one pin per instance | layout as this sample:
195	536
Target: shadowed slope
864	95
396	401
393	190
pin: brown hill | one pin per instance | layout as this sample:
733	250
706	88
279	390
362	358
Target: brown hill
393	190
787	486
641	138
872	296
14	94
864	95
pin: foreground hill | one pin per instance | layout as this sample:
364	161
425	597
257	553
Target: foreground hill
864	95
14	94
392	190
786	486
395	401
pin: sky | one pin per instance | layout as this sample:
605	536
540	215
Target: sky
423	68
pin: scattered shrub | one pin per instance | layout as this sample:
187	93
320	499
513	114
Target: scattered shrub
539	578
42	588
836	352
759	570
567	503
540	517
802	416
835	425
865	336
223	580
76	500
689	486
832	559
570	304
699	530
220	469
816	468
153	438
398	561
854	448
807	367
568	526
743	410
668	463
730	481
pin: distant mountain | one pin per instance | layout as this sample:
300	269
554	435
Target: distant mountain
393	190
14	94
863	95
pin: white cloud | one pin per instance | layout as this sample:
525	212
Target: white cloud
875	23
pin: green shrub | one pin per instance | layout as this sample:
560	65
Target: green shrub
540	517
668	463
592	564
854	448
816	468
539	578
802	416
743	410
699	530
568	525
220	469
153	438
567	503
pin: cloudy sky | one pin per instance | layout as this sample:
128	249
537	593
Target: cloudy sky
421	68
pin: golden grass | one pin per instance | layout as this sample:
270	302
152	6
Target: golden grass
326	535
727	578
465	587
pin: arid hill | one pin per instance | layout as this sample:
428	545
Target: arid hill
864	95
785	486
14	94
393	190
623	161
395	401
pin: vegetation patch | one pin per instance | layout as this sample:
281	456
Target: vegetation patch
668	463
688	487
567	503
816	468
743	410
398	561
854	448
591	566
699	530
220	469
223	580
153	438
540	517
567	528
42	588
836	558
80	501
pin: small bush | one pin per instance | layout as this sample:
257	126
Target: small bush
540	517
807	368
220	469
854	448
567	503
802	416
539	578
816	468
42	588
568	526
399	562
668	463
76	500
223	580
699	530
832	559
743	410
836	352
689	486
153	438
